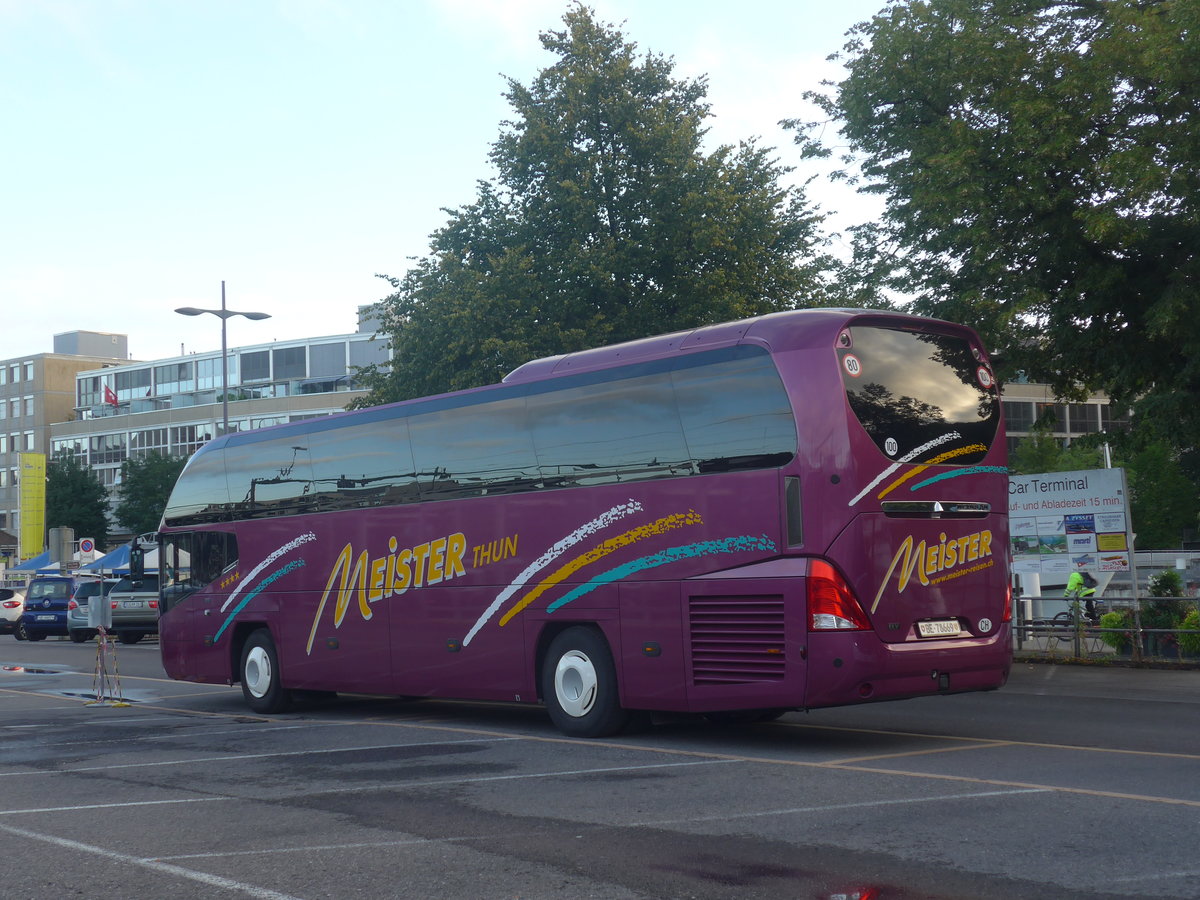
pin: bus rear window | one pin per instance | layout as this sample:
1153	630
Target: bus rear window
910	390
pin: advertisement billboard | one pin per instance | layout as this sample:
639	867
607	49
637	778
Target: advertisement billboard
1060	522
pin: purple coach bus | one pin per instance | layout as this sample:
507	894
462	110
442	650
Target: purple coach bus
802	510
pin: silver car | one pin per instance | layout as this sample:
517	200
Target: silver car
134	608
77	606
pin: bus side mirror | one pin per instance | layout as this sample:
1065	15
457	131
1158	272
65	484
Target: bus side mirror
137	563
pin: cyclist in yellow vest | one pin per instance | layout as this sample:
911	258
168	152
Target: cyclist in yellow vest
1082	586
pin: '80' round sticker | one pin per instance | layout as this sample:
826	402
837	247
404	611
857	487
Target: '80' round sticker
851	364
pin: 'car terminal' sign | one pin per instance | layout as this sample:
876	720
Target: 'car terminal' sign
1062	522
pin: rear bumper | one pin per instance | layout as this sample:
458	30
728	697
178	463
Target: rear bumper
856	667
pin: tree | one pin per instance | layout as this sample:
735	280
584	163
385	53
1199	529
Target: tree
76	498
605	222
1042	452
1040	162
145	487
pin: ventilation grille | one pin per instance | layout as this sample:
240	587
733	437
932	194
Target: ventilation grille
736	640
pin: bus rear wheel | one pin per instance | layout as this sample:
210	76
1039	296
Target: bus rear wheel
579	685
259	670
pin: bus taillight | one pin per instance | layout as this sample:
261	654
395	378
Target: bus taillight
832	606
1007	604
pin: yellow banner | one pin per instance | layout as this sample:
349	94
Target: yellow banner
32	500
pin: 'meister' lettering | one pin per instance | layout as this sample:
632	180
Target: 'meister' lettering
371	580
930	559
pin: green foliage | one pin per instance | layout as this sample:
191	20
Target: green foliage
1164	502
1166	583
1121	621
1040	164
1041	452
605	222
1163	615
76	498
1190	643
145	487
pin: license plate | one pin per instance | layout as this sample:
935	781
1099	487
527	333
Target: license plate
938	629
46	618
131	604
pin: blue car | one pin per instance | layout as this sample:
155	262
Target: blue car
46	606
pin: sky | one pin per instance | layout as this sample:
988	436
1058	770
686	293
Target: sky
296	149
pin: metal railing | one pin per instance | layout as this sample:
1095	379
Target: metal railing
1143	630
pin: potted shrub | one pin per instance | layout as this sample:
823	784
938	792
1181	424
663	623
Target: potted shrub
1160	618
1164	614
1189	644
1117	632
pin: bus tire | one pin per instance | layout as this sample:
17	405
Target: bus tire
259	672
579	685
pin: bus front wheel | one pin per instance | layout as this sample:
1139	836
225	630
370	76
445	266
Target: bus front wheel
579	685
260	675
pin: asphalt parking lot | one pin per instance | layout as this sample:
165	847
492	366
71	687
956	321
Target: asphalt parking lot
1070	782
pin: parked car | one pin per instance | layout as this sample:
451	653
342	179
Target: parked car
12	604
135	608
77	606
46	606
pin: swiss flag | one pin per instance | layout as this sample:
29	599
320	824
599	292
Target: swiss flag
110	396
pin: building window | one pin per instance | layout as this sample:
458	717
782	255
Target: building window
174	378
132	383
368	352
256	366
14	408
327	359
1085	418
106	448
29	440
289	362
14	374
1052	417
208	372
187	439
68	447
1110	422
1018	415
29	371
142	443
29	406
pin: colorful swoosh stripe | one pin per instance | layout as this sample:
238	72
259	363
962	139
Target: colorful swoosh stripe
259	588
660	526
560	547
662	558
906	458
969	470
940	458
275	554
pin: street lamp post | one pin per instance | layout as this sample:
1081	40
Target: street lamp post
224	315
